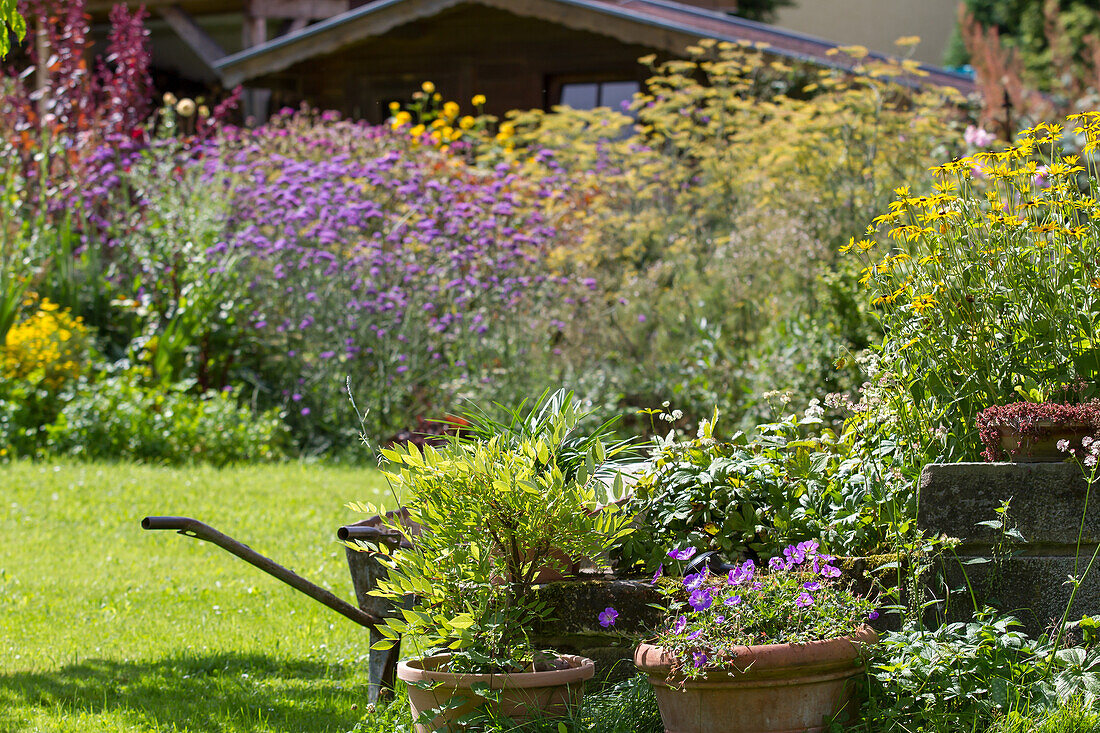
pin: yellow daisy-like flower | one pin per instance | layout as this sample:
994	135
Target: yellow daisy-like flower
478	100
428	87
467	122
450	110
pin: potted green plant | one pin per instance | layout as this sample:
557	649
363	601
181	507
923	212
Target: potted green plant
760	649
493	514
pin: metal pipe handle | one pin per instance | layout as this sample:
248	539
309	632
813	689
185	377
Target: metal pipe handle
196	529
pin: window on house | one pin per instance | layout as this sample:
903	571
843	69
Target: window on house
591	94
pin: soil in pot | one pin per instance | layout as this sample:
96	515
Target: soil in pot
775	688
522	695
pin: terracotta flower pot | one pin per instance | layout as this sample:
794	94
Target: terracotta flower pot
1041	445
523	695
775	687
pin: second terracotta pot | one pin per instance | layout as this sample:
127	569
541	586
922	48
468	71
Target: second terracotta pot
793	688
521	695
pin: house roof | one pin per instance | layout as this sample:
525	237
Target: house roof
659	24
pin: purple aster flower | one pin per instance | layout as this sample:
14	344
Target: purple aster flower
680	625
804	600
694	581
700	600
872	615
732	601
699	659
608	616
659	573
685	554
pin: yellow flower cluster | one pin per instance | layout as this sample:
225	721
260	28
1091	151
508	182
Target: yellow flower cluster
49	348
430	119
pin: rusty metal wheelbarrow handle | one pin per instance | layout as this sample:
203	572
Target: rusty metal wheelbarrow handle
196	529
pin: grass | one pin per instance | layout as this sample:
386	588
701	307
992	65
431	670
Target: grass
106	627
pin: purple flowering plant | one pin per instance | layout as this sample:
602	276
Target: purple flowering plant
799	596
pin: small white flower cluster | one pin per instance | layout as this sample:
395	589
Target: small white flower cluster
814	411
669	416
784	397
1091	448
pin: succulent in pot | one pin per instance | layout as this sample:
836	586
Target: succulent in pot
494	513
774	648
1032	431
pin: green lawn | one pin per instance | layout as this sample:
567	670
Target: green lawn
106	627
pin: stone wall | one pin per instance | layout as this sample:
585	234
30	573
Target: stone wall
1027	579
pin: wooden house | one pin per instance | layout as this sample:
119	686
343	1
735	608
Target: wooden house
356	56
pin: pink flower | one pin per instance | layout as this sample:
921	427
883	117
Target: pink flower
978	137
1040	178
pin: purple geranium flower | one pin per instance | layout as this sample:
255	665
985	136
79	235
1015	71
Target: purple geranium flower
695	634
608	617
700	600
872	615
830	572
699	658
680	625
777	563
804	600
694	581
812	585
659	573
732	601
685	554
794	554
742	573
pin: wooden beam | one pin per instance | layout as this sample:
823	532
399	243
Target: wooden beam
253	31
205	47
329	39
297	24
299	8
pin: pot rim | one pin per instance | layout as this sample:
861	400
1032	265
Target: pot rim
422	670
651	658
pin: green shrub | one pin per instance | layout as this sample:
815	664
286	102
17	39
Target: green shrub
794	480
119	417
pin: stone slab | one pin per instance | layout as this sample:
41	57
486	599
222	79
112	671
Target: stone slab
1031	588
576	605
1047	502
